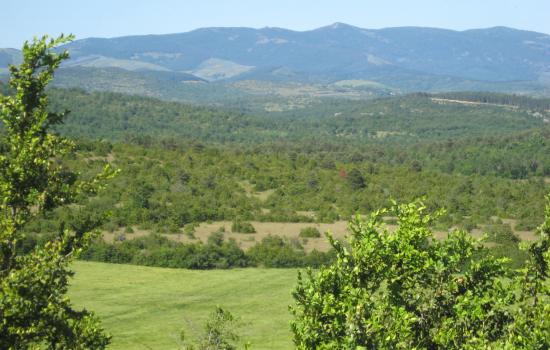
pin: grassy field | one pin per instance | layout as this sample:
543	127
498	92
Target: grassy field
146	308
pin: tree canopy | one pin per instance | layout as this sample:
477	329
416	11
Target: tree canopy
34	309
406	290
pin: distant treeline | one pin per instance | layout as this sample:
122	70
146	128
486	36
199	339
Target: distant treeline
398	120
393	120
216	253
538	104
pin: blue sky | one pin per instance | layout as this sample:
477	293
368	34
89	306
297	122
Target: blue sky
22	19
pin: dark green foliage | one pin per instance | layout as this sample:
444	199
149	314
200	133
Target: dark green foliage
310	232
167	186
518	156
356	179
456	156
274	251
501	234
506	244
156	250
242	227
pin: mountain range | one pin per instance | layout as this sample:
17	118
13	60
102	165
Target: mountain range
404	58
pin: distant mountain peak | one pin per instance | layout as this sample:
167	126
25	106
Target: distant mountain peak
340	26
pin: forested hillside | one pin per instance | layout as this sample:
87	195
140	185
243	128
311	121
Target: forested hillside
402	119
183	165
169	188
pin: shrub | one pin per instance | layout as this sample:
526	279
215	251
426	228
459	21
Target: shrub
173	228
110	226
189	230
406	290
502	234
528	224
468	225
274	251
356	179
220	332
310	232
146	225
507	245
242	227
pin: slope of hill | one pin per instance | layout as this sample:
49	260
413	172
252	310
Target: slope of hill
409	118
7	57
336	51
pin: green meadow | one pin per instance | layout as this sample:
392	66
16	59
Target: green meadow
146	308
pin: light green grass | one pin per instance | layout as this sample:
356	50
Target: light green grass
146	308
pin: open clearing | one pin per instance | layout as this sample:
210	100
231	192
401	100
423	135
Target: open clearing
146	308
289	230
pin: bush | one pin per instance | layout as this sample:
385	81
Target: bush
405	290
110	226
507	245
356	179
242	227
189	230
274	251
502	234
310	232
528	224
220	332
157	250
468	225
174	228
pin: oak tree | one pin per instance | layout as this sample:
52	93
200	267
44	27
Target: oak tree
35	311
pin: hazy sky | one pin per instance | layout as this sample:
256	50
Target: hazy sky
22	19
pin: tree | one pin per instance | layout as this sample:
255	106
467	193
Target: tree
34	309
406	290
220	333
356	179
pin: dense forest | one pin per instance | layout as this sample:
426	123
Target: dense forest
167	188
401	119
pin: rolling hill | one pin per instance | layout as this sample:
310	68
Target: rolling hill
404	58
406	119
335	52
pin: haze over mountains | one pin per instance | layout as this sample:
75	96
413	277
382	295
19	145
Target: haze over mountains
404	58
